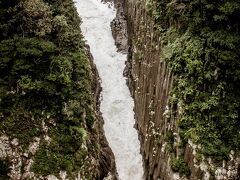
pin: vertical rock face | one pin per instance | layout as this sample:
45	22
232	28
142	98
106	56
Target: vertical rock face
151	81
119	31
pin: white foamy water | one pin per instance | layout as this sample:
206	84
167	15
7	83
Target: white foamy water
117	103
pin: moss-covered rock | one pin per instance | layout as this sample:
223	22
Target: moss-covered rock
45	92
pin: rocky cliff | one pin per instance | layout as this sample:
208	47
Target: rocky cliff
50	124
151	81
16	162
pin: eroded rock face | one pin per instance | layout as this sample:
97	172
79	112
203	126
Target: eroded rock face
151	81
20	160
119	29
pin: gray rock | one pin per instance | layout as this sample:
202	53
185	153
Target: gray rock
119	30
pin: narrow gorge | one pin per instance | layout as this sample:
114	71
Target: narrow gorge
116	104
119	90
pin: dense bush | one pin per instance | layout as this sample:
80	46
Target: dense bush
178	165
45	76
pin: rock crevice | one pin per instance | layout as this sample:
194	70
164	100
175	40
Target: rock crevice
107	166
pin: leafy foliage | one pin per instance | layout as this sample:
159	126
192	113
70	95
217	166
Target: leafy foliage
178	165
45	76
200	41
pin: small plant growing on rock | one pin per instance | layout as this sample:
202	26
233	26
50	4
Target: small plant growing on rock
180	166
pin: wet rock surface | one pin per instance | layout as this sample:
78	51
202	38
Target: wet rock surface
119	26
119	29
116	103
107	166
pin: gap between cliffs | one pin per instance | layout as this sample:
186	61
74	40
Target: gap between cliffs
116	103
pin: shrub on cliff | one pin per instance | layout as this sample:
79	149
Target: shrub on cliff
200	41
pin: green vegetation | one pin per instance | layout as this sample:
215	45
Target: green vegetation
45	77
200	41
169	138
178	165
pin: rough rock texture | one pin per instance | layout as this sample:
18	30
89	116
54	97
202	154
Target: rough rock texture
19	160
119	26
119	29
150	80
